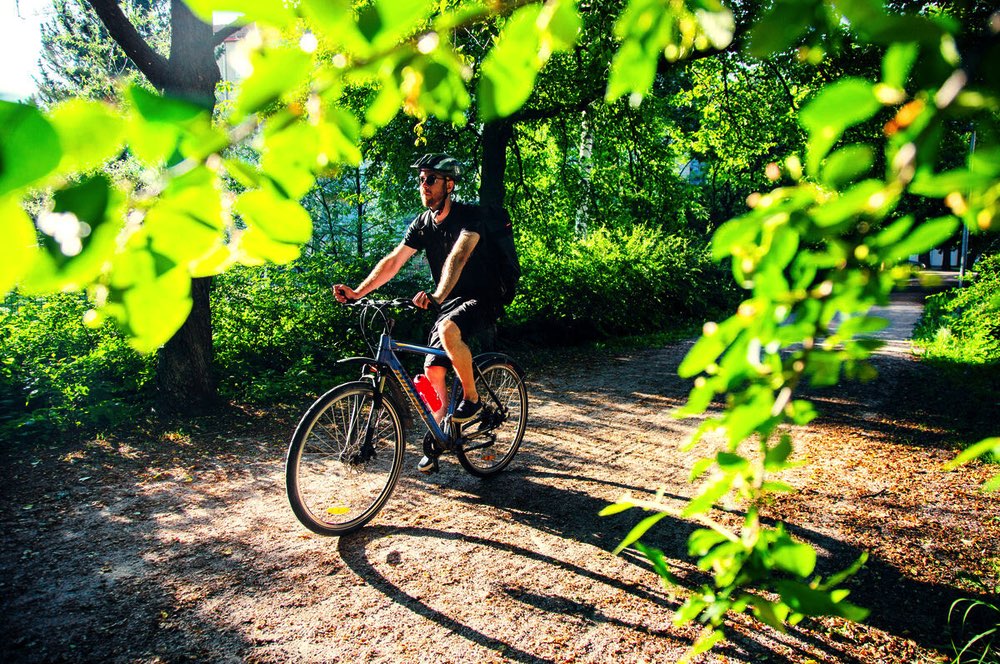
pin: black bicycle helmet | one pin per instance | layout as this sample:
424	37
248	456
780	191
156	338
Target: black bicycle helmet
441	163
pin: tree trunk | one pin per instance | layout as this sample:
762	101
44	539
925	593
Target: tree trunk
496	136
184	366
184	377
493	191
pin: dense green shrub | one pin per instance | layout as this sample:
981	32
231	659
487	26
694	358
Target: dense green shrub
278	331
613	282
58	375
963	325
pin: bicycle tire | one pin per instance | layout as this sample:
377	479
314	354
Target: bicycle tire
506	380
335	484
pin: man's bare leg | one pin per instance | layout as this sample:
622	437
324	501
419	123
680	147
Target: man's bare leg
461	358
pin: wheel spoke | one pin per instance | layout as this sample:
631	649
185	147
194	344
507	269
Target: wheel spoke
336	483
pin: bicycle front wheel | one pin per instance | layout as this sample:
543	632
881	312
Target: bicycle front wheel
500	384
344	459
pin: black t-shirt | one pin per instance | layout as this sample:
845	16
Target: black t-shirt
477	280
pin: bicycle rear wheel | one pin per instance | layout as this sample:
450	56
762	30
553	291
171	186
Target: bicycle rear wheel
344	459
504	420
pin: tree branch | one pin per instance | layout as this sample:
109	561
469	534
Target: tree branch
225	33
150	63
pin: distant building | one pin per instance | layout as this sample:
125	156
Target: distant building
229	60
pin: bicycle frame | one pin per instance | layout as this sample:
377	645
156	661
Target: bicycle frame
387	360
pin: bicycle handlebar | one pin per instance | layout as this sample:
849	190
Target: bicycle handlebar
399	302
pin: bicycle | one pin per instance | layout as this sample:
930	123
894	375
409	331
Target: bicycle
345	456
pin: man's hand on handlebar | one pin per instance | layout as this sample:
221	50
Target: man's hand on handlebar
344	293
425	301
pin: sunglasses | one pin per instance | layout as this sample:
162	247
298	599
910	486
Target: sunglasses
430	180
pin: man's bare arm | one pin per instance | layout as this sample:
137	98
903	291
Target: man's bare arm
384	270
454	264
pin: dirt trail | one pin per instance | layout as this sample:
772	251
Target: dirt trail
181	547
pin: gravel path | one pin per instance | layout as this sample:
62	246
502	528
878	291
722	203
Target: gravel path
180	546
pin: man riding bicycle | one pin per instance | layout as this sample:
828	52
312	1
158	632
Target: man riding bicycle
466	284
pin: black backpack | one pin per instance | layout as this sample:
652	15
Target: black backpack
499	232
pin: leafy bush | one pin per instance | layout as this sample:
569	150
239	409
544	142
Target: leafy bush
278	332
614	282
58	375
963	325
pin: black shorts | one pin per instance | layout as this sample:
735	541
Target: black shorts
471	317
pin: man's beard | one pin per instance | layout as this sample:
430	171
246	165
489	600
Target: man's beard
433	200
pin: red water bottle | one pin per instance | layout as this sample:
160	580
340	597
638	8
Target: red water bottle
427	392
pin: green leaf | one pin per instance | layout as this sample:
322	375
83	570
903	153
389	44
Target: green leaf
616	508
560	24
385	106
858	325
836	579
648	31
838	106
793	557
731	463
334	20
923	238
632	70
986	446
708	496
865	198
958	180
510	69
187	224
29	146
734	233
90	134
706	641
690	610
847	165
78	237
807	601
154	131
897	63
743	420
276	227
702	540
390	21
699	467
803	412
776	456
19	247
771	613
659	561
773	486
639	530
159	108
784	247
290	158
156	309
782	26
698	401
276	71
704	352
277	13
708	348
893	233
